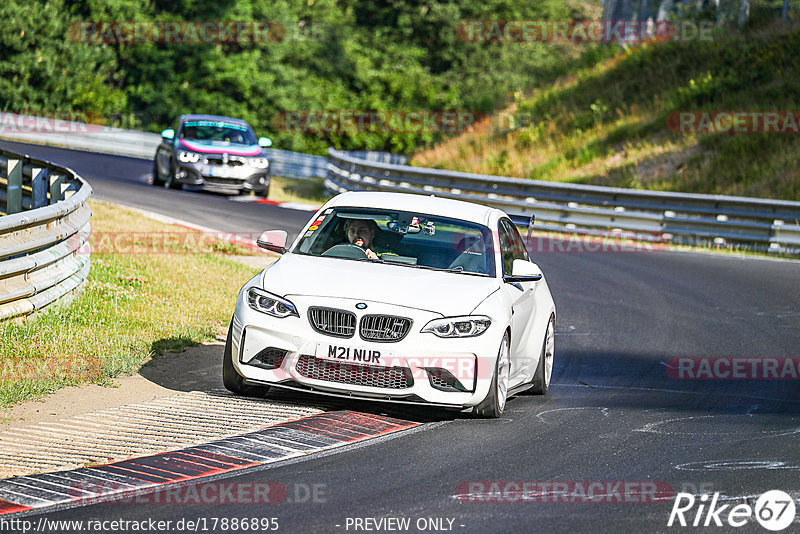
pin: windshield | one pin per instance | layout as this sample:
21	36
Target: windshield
403	238
218	132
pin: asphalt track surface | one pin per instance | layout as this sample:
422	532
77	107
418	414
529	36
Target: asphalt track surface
614	412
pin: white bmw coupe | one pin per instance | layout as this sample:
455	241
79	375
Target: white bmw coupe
396	297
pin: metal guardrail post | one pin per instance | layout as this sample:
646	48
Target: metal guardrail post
55	187
39	187
14	186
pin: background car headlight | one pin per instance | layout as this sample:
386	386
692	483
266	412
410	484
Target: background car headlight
466	326
270	304
259	163
188	157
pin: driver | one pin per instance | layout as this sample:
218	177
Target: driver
361	233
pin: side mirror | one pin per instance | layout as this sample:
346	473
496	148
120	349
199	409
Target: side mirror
169	133
524	271
273	240
264	141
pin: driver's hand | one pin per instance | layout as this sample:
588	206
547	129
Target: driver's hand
371	255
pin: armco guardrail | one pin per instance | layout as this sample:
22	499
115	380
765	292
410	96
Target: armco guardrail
772	225
296	164
79	136
44	232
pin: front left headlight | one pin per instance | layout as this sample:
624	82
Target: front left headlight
259	163
465	326
188	157
265	302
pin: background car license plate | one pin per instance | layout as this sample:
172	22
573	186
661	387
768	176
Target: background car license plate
345	353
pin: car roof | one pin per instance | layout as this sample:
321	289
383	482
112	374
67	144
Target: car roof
200	117
427	204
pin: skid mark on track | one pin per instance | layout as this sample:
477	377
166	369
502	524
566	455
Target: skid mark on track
736	465
746	427
570	331
548	416
679	391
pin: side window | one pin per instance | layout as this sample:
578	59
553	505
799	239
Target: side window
511	244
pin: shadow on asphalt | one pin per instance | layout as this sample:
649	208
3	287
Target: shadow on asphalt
199	368
651	381
623	380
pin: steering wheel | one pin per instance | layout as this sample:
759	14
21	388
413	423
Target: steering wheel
346	250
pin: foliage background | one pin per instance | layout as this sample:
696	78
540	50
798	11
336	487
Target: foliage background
337	55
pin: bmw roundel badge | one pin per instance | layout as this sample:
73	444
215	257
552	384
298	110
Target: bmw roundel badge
361	306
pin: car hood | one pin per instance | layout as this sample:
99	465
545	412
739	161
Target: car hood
215	147
439	292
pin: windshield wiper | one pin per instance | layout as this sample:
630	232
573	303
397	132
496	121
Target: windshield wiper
458	269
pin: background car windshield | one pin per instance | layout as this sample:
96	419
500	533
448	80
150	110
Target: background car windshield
217	131
404	238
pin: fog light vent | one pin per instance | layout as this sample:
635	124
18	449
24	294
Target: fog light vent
443	380
269	358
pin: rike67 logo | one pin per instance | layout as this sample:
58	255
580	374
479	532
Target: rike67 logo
774	510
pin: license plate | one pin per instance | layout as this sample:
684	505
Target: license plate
221	172
344	353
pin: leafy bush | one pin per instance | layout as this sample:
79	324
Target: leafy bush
358	55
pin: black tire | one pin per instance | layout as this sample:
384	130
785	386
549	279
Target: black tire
492	407
172	182
231	378
156	178
541	382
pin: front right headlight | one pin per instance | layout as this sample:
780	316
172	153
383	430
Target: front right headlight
464	326
265	302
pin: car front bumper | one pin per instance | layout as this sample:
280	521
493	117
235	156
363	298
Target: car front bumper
223	178
420	368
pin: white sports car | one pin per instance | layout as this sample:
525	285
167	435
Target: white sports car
396	297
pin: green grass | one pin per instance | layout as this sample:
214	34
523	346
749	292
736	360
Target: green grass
606	124
135	306
308	190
